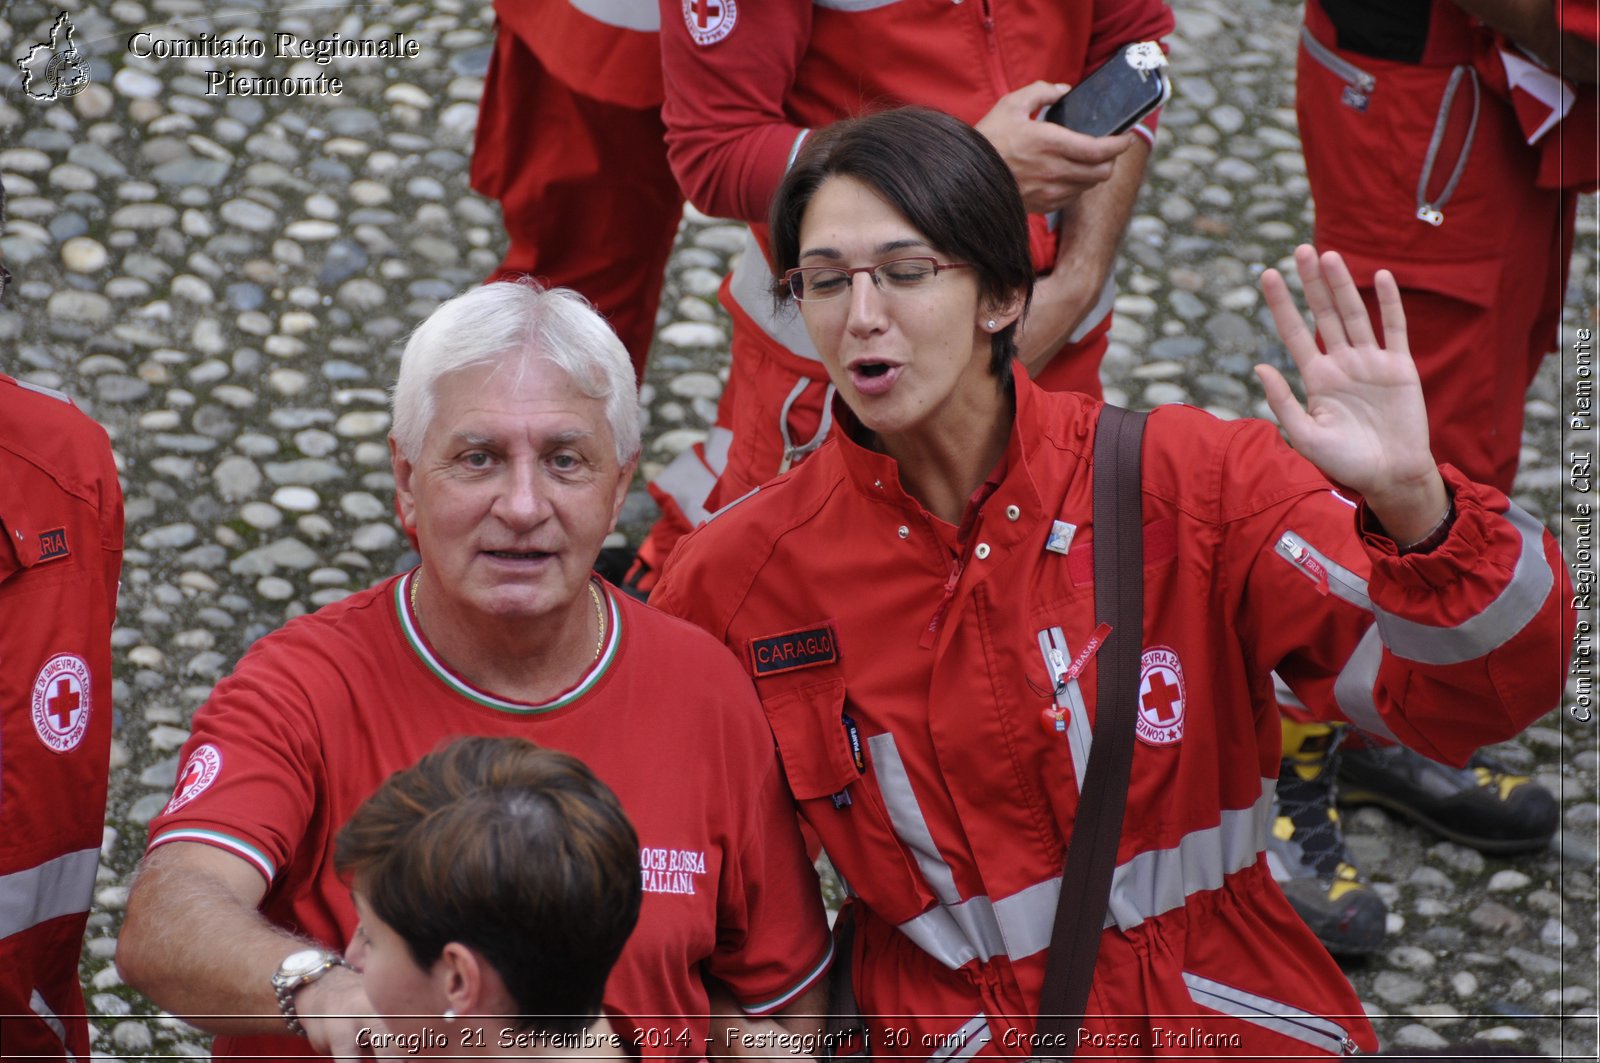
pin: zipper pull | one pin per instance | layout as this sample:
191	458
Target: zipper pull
1300	556
931	632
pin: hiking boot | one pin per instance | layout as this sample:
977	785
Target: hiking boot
1305	849
1483	805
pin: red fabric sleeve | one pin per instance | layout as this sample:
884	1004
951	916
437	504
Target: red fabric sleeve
1119	22
1463	655
728	140
772	934
248	770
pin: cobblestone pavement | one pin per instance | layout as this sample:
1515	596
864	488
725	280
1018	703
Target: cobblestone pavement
223	281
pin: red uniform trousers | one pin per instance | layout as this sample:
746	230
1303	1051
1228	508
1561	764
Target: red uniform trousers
1483	289
587	198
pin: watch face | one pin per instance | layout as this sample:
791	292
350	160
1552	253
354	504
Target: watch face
303	962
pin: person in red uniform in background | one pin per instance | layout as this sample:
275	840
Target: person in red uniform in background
1439	145
746	81
61	522
570	142
909	599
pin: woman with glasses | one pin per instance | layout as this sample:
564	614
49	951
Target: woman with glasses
916	607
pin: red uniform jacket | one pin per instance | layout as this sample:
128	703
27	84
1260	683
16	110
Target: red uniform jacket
61	526
905	682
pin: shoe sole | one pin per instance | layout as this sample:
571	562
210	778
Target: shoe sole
1490	846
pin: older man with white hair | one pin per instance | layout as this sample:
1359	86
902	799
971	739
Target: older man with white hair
516	432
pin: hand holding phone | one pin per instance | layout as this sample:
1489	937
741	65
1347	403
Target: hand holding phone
1109	101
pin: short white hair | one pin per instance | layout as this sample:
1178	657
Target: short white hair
506	322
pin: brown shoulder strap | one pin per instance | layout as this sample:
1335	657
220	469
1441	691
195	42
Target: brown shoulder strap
1092	851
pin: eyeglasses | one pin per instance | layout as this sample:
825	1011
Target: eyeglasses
812	284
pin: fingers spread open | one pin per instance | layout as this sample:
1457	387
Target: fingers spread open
1392	312
1347	297
1280	397
1323	309
1286	318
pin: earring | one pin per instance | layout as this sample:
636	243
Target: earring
449	1014
991	324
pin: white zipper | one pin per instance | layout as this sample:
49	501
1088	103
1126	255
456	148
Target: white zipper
1270	1014
1358	84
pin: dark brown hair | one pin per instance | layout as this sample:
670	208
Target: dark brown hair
943	177
517	851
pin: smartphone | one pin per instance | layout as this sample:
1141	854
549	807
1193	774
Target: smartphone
1110	100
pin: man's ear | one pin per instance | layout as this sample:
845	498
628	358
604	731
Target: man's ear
405	502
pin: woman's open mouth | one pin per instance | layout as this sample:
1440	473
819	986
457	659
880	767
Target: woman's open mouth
873	378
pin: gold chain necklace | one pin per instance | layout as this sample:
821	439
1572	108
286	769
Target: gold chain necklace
594	596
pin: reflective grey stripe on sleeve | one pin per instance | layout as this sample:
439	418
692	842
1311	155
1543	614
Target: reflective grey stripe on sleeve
1097	313
853	5
1342	583
1160	880
1314	1030
794	149
1499	621
689	480
1353	687
50	393
1079	735
47	1015
63	886
751	288
973	918
964	1042
628	14
935	933
906	815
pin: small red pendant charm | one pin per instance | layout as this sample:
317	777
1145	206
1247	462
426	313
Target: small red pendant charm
1053	718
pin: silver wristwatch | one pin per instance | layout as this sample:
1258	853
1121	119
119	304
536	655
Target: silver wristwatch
298	970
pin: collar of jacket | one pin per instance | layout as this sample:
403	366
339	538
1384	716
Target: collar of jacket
1011	515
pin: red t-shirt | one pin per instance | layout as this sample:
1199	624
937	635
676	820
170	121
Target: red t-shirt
320	712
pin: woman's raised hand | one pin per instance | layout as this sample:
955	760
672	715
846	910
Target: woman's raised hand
1364	423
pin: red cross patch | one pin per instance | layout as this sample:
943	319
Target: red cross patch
199	772
1161	697
61	702
709	21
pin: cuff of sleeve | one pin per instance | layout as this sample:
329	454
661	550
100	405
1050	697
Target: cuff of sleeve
1146	126
1467	539
216	839
779	1001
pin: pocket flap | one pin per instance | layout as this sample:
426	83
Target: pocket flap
808	723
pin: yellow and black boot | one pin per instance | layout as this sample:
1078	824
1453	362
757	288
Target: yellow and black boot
1305	848
1482	805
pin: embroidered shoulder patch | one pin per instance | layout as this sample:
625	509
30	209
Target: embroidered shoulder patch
61	702
53	544
710	21
204	765
792	650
